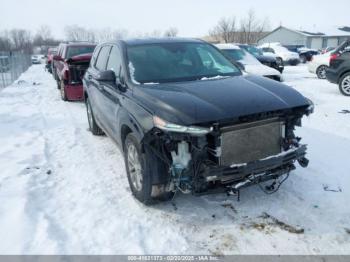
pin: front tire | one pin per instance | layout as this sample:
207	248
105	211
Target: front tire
321	72
93	126
140	166
344	84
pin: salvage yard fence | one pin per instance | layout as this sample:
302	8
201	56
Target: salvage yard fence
12	65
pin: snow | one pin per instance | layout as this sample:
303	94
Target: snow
132	73
65	191
214	77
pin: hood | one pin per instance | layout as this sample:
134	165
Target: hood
79	58
217	100
261	70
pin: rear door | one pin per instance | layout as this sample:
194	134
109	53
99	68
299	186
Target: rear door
96	87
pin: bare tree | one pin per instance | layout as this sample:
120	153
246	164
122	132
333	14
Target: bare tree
78	33
21	39
252	28
120	34
45	32
171	32
225	30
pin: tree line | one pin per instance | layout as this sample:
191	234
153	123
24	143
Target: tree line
23	40
228	29
246	31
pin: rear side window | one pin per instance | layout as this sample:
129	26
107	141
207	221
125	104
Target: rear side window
94	55
102	58
115	60
79	50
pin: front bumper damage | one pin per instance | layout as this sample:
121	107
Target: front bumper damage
194	162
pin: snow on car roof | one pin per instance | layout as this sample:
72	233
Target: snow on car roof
227	46
141	41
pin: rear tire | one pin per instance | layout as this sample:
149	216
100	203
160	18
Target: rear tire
344	84
321	72
140	167
93	126
63	91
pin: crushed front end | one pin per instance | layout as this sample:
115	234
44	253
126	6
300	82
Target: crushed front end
230	155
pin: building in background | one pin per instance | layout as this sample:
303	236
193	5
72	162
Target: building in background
315	39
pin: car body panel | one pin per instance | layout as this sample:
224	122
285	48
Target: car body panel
317	61
196	102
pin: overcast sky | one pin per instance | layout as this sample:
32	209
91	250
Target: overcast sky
191	17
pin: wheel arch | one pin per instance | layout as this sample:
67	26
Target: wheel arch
342	74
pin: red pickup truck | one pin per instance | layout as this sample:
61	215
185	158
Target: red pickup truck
70	64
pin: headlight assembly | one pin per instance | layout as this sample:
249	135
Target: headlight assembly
166	126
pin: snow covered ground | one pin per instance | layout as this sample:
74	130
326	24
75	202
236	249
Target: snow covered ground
64	191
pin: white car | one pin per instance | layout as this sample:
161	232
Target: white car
288	57
37	59
319	64
250	63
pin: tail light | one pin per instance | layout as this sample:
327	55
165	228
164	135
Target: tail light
332	57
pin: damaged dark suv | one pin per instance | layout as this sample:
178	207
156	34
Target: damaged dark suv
188	120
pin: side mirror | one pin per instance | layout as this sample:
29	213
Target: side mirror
106	76
57	58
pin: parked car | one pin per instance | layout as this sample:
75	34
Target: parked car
305	54
187	120
70	66
4	64
339	68
319	64
36	59
270	61
288	57
50	53
250	63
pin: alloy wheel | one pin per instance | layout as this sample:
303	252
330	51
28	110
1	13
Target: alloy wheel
321	72
134	167
89	114
345	85
63	92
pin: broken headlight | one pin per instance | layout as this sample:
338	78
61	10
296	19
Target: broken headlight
166	126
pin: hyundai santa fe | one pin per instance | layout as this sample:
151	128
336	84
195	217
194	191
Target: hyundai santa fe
187	119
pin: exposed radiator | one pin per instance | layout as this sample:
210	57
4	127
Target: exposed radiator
248	142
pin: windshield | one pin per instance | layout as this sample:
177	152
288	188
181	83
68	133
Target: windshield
241	55
253	50
172	62
79	50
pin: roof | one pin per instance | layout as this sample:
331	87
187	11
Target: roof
78	44
142	41
227	46
321	32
